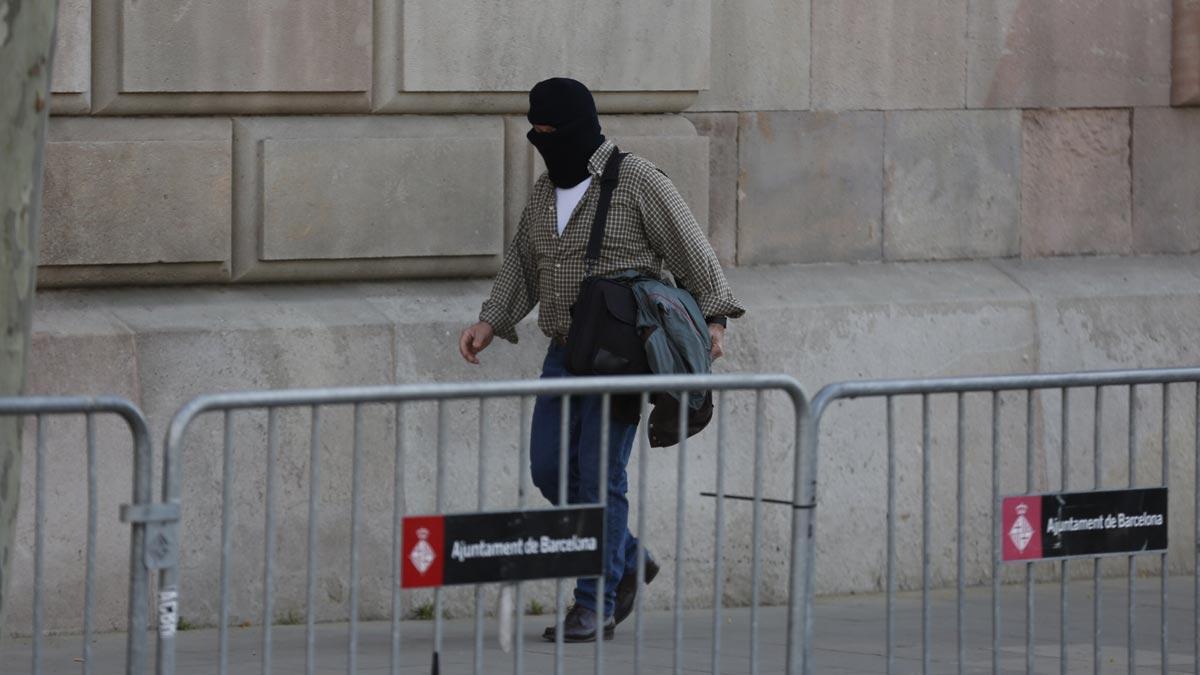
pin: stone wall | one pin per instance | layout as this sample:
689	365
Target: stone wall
866	130
1010	157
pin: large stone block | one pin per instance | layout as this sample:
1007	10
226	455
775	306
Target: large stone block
1069	53
471	57
356	197
1166	171
124	195
685	161
233	56
82	352
671	142
760	56
380	198
1075	182
951	184
662	46
810	187
888	54
1118	313
72	76
1185	59
200	341
721	129
888	321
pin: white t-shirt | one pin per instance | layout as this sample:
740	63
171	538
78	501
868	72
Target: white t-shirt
567	199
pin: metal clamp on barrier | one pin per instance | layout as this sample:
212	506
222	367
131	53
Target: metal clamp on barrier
162	550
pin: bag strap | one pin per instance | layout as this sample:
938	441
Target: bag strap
608	184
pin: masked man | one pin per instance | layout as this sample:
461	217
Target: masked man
648	227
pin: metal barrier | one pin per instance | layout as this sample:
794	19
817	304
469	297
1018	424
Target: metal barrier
1101	384
277	403
40	407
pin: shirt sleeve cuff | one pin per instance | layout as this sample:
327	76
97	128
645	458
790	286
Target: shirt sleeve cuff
501	328
726	307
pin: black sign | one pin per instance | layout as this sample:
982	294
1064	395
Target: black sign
1084	524
477	548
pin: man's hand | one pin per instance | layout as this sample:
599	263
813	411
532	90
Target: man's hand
474	340
717	332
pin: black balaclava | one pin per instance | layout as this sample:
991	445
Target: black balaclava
567	106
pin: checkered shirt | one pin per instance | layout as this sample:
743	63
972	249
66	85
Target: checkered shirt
649	225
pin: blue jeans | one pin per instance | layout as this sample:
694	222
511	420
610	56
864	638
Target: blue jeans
583	475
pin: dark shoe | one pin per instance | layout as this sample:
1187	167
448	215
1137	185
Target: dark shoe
579	625
627	589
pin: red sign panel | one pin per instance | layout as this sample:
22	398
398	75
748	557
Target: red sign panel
1020	528
423	550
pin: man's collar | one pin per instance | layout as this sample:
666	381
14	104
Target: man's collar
600	157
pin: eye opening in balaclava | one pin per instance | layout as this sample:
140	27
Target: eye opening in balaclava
568	106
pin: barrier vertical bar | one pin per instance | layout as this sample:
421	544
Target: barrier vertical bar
443	433
481	503
643	464
310	595
926	508
355	512
226	532
1029	438
959	512
39	541
680	495
89	581
719	534
804	505
1065	430
890	629
1132	563
522	481
397	534
1196	537
760	423
139	573
1166	466
996	515
602	490
269	539
1097	446
564	440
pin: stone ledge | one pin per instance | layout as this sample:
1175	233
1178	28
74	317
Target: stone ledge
821	323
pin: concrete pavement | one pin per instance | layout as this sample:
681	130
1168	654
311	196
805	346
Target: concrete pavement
848	638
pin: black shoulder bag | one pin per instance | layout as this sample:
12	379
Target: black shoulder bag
604	339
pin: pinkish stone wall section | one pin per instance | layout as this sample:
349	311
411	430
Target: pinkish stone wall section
1185	69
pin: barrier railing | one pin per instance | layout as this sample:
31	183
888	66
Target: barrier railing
1039	393
567	392
40	408
1080	401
